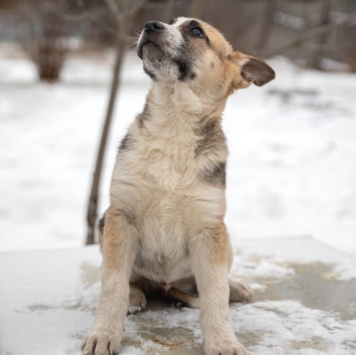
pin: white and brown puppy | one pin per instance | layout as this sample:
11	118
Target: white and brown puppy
165	224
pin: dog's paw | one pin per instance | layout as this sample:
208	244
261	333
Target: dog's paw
137	300
101	343
225	347
240	291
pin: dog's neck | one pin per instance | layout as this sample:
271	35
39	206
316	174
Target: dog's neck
182	135
180	100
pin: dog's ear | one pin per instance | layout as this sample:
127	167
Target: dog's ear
249	70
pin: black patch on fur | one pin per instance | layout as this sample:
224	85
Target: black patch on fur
126	143
216	175
101	224
185	69
188	54
171	22
212	138
149	73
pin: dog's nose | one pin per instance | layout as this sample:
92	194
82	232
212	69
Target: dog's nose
153	26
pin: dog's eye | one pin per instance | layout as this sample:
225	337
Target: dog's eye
197	32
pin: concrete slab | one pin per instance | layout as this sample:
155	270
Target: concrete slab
304	303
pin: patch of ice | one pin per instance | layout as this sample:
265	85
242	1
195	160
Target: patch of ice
276	257
281	325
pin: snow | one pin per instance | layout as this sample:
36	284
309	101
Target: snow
50	297
289	324
291	175
292	251
291	171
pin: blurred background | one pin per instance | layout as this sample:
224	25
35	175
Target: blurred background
71	83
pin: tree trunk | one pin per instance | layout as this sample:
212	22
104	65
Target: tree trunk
325	19
94	192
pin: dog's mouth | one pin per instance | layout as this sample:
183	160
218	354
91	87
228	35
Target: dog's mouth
150	49
143	44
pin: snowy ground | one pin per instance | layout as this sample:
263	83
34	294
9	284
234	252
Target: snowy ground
292	165
303	305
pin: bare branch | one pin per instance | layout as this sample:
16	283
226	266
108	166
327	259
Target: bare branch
114	7
316	31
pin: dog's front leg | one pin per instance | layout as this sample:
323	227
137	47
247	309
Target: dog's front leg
209	257
119	251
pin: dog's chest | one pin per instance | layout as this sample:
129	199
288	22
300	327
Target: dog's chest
169	153
163	249
158	180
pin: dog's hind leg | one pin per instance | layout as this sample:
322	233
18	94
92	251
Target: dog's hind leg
240	291
137	298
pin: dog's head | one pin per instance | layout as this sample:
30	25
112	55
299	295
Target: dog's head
192	51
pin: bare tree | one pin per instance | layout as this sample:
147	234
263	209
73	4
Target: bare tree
124	12
47	34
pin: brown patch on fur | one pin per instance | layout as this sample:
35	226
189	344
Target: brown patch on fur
218	42
115	242
220	245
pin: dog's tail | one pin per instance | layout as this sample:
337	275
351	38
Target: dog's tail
239	292
185	298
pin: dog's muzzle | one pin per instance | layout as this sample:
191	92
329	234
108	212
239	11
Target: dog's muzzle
150	35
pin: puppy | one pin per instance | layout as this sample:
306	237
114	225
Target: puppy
165	224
